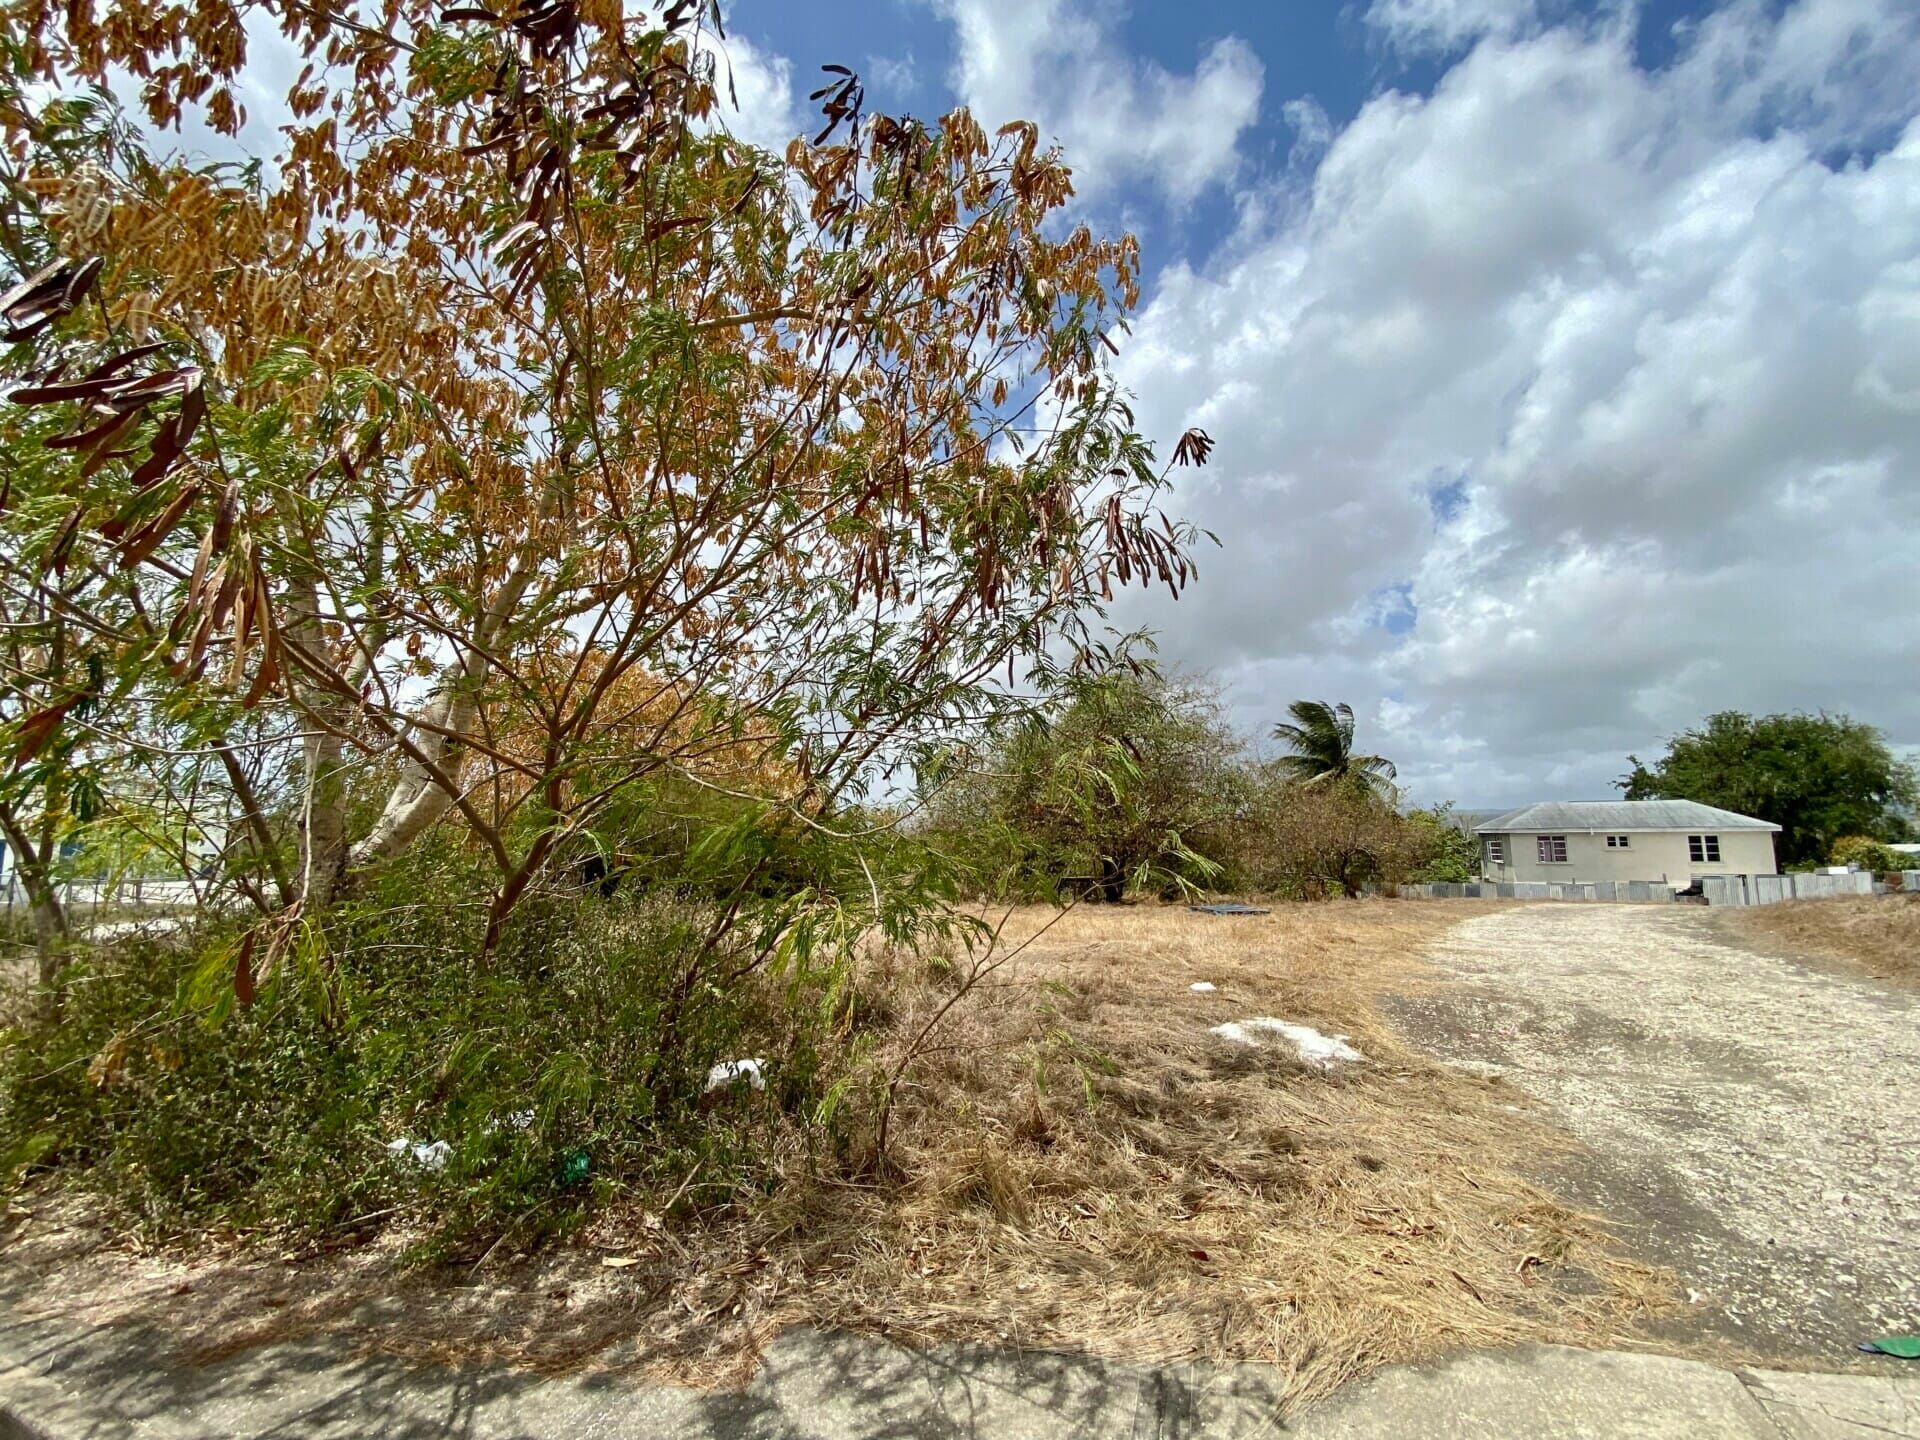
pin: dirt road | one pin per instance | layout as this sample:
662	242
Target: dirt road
1751	1120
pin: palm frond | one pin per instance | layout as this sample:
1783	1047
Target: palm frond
1321	741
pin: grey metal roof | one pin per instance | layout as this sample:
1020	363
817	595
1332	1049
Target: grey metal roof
1619	815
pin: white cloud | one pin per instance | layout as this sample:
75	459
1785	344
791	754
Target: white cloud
1058	63
1609	369
1443	26
890	76
756	93
1312	131
1832	71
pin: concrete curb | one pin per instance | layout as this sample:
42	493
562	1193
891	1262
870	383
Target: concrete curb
111	1382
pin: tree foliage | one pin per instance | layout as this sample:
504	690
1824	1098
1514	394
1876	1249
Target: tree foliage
1129	781
1307	841
512	478
1818	777
519	436
1133	783
1452	851
1320	742
1867	853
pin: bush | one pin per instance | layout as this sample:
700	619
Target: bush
1450	853
1867	853
570	1066
1308	841
1130	783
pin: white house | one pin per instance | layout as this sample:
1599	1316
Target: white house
1576	842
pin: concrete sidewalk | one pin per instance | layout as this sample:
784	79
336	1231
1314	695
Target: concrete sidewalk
109	1382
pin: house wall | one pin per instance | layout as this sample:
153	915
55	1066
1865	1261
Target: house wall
1650	855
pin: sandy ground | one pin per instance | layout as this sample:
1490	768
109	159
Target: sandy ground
1753	1119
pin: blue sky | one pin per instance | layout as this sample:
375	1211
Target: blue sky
1563	361
1320	50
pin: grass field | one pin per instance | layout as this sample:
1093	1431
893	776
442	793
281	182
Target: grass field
1878	933
1077	1164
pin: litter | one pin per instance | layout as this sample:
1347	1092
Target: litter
729	1072
426	1157
513	1120
1901	1347
1313	1047
1229	910
1201	987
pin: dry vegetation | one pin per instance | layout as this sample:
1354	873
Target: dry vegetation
1879	933
1092	1171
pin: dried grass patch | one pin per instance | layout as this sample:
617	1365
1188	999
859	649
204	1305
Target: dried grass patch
1081	1166
1879	933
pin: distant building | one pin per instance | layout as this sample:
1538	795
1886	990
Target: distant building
1576	842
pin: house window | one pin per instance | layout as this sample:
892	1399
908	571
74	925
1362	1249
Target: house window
1553	849
1617	842
1703	849
1496	850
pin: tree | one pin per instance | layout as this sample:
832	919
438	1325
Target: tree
1310	840
1321	739
1818	777
1127	781
518	385
1451	849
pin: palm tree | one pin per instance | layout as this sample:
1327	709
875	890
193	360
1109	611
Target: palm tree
1321	739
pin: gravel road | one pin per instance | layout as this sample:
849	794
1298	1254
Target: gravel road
1751	1120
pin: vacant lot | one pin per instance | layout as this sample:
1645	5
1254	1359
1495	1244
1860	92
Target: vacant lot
1880	934
1749	1117
1080	1164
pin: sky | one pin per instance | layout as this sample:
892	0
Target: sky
1563	360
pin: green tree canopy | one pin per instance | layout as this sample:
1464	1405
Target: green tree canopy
1129	781
1817	777
1321	739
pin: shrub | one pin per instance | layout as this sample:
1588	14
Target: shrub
1867	853
1308	841
569	1065
1449	852
1130	782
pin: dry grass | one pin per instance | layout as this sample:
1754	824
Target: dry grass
1879	933
1080	1166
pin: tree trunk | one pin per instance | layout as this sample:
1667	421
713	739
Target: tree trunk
262	832
418	800
323	807
323	835
32	865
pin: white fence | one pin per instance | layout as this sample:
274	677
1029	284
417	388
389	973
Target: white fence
1716	889
1612	892
1774	889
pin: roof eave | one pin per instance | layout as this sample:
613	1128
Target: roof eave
1757	825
